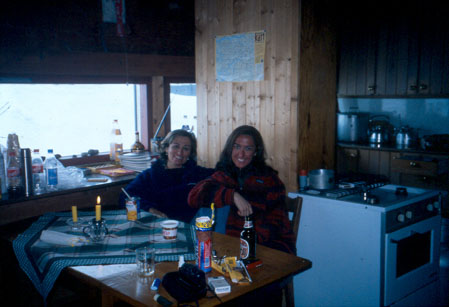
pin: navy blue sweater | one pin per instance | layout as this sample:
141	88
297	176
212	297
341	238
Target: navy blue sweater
166	190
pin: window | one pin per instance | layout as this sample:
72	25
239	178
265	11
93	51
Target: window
183	106
69	118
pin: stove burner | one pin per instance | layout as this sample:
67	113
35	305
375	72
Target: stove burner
401	191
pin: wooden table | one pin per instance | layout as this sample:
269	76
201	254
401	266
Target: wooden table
125	285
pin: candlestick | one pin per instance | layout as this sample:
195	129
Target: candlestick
74	214
97	212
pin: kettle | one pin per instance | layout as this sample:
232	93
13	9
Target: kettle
405	137
379	129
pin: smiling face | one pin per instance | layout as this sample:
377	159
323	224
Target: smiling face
243	151
178	152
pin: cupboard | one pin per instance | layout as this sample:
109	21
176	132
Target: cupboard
395	50
409	168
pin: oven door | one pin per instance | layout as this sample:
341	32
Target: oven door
411	258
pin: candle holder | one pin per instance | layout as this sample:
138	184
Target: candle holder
96	230
75	226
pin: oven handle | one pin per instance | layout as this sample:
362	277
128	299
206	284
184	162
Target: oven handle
412	232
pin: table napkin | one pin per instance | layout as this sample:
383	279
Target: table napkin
60	238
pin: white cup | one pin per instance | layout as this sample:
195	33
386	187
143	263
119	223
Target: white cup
145	261
170	229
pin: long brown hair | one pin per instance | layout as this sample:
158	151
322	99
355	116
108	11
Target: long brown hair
225	161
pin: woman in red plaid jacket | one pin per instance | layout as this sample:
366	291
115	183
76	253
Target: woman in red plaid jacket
244	182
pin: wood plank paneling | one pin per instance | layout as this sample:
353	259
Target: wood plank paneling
317	85
262	104
271	105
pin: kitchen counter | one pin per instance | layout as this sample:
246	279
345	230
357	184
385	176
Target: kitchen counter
388	147
84	197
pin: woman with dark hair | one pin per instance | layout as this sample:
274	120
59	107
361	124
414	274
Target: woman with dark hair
163	188
244	182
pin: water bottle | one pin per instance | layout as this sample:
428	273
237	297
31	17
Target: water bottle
3	189
37	166
51	171
14	180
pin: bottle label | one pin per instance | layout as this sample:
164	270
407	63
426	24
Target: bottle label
244	249
37	168
204	255
52	176
13	172
248	224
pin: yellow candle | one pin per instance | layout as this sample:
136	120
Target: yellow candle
74	214
97	212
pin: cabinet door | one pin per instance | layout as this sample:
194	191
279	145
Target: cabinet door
358	45
433	52
347	160
376	162
402	51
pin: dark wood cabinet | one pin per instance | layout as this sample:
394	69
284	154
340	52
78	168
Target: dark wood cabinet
395	50
423	170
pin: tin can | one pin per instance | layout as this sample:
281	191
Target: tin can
203	228
133	208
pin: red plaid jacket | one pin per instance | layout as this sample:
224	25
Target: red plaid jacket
264	191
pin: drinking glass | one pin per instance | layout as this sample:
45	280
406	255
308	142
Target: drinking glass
145	261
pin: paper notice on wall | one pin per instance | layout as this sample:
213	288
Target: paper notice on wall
240	57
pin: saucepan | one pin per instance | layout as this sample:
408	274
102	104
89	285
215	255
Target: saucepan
321	179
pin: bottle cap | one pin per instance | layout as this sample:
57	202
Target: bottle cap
303	172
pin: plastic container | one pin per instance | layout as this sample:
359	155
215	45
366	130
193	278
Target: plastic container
116	142
51	171
3	188
303	179
14	180
37	165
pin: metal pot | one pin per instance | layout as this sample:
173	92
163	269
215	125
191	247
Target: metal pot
351	127
321	179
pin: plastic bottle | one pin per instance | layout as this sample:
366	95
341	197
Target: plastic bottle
14	180
51	171
37	165
3	189
137	146
116	142
302	179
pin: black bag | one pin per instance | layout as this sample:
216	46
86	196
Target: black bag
186	285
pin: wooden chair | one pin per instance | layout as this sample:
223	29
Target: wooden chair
294	206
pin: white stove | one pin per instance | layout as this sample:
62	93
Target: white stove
370	245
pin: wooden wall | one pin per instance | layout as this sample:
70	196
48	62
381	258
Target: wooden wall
293	107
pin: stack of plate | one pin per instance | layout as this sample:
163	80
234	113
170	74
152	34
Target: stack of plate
137	161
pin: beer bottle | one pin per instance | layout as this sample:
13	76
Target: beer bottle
248	241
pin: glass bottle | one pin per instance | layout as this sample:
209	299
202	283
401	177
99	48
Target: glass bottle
137	146
116	142
248	241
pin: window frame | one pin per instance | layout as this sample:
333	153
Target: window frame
152	73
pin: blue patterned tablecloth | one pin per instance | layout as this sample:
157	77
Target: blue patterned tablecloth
43	261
